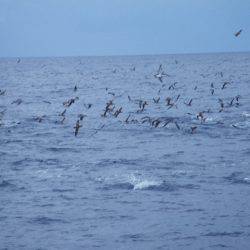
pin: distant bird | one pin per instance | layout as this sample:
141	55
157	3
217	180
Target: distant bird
18	60
232	101
237	100
189	103
166	123
168	100
69	102
88	105
201	117
238	33
63	113
146	119
39	118
75	88
177	126
62	121
2	113
212	88
193	129
221	105
77	127
2	92
225	84
172	86
156	123
118	111
127	119
156	100
109	107
111	93
17	101
142	106
81	116
160	74
177	98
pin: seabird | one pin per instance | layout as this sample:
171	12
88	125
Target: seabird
189	103
172	86
156	123
156	100
39	118
221	105
201	117
118	111
160	74
70	101
238	33
176	124
166	123
63	119
193	129
2	92
146	119
232	101
17	101
77	126
108	108
111	93
75	88
126	121
168	100
81	116
224	85
88	105
63	113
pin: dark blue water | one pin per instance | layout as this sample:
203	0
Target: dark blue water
125	184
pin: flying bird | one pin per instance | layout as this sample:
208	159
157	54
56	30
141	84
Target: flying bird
77	126
160	74
238	33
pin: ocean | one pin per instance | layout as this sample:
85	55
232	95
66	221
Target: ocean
160	159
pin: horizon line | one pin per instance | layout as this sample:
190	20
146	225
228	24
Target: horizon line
127	55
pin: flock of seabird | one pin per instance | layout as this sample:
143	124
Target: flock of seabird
111	110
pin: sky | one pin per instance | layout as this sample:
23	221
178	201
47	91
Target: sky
37	28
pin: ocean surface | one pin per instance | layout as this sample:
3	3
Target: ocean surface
171	172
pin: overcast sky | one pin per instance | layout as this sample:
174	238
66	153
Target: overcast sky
122	27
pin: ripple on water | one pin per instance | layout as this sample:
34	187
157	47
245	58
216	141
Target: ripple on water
149	186
222	234
43	220
238	178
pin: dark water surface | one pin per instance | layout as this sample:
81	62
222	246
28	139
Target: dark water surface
121	185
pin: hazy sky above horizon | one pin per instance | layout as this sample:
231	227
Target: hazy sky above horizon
122	27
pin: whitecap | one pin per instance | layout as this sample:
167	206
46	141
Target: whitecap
145	184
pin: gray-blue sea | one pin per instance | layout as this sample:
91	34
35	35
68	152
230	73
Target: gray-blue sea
167	166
